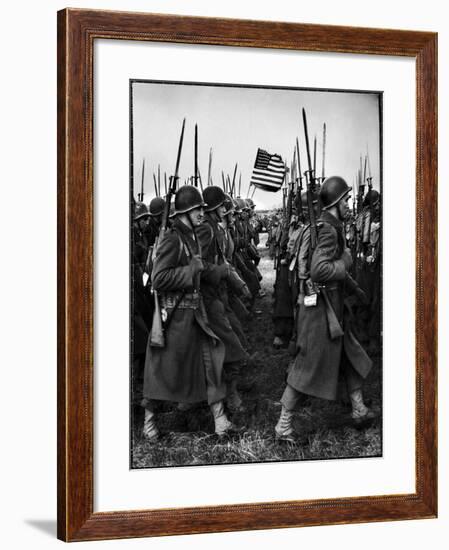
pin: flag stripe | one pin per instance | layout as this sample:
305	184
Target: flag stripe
276	178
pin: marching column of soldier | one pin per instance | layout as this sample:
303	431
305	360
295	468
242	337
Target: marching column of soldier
196	281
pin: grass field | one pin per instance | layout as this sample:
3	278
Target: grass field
325	427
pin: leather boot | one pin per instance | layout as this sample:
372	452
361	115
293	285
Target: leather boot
284	429
361	414
233	399
222	424
150	431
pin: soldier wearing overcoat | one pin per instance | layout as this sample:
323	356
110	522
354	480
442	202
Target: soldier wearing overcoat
189	367
214	280
324	357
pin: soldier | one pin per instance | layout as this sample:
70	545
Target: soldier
215	276
368	274
142	310
151	231
237	293
253	233
189	368
243	265
283	305
156	211
298	249
325	352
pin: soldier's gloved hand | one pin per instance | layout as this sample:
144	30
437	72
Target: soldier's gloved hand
223	271
347	258
246	293
196	264
361	296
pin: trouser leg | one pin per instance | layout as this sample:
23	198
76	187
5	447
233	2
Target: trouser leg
233	399
290	397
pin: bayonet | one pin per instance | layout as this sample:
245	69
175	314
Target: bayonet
233	180
196	156
141	194
209	168
324	153
309	182
155	184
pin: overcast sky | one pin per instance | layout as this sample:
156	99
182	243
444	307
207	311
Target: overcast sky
235	121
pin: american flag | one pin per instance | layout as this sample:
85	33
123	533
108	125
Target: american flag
268	172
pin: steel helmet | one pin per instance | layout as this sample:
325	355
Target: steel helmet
246	206
239	204
333	190
188	198
214	197
301	202
140	211
372	197
228	204
250	203
157	206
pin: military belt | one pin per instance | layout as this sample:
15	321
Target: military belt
328	286
188	301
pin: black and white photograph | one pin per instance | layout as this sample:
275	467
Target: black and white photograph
256	262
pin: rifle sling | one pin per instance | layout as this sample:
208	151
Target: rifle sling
182	245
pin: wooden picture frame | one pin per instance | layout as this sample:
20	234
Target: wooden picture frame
77	31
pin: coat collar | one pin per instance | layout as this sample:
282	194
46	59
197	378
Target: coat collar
211	219
182	227
330	219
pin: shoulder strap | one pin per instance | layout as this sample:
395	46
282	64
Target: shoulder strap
182	246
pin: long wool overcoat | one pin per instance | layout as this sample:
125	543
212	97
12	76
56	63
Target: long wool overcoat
189	368
214	289
321	361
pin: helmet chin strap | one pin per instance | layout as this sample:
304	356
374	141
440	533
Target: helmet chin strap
192	227
216	214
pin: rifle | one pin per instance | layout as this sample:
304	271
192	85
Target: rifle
157	338
335	329
361	185
369	179
289	204
300	214
309	187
